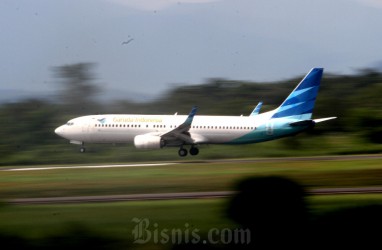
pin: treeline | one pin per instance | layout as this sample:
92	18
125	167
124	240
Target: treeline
354	99
29	124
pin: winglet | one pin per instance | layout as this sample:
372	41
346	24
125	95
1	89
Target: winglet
256	111
190	117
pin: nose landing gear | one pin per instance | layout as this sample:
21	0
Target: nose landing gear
82	149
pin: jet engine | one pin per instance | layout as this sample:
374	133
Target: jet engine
148	142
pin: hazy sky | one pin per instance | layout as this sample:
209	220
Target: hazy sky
184	41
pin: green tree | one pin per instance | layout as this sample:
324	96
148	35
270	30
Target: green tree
25	125
79	90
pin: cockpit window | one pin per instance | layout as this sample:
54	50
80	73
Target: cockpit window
70	123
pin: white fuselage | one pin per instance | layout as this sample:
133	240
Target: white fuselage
204	129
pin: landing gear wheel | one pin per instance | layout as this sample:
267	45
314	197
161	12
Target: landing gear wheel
182	152
82	150
194	151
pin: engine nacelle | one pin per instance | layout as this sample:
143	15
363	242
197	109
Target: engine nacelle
148	142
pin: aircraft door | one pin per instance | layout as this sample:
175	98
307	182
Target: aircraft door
269	128
86	131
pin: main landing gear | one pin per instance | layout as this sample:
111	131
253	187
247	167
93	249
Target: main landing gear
183	152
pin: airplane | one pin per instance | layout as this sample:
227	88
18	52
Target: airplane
293	116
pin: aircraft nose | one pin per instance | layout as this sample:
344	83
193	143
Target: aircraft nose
59	131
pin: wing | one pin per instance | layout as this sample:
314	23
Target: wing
181	133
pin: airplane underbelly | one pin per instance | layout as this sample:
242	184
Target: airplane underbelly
221	138
110	137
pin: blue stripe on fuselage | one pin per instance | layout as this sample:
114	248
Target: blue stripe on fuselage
275	128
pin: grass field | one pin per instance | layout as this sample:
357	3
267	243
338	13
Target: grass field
300	145
111	224
186	177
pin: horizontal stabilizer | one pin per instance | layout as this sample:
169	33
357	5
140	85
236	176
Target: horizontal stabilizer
310	122
302	123
324	119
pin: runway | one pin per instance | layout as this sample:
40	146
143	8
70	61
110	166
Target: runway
175	196
95	166
189	195
302	158
253	160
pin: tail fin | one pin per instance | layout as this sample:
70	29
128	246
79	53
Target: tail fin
300	102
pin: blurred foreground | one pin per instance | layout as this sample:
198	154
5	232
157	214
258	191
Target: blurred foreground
271	209
266	213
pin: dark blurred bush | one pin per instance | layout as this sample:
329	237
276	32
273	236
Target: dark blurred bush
273	208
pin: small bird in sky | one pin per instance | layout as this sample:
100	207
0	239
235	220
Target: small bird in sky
128	41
